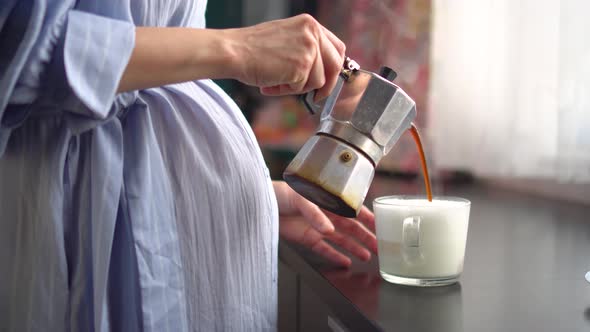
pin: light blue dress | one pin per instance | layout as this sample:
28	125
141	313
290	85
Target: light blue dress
150	210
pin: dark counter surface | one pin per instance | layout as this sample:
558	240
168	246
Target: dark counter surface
525	263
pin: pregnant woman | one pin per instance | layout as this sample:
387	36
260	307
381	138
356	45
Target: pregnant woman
133	194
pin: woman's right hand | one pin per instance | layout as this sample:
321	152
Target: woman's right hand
289	56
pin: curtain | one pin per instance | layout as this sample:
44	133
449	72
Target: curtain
510	88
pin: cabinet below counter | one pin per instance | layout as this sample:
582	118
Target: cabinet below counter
525	266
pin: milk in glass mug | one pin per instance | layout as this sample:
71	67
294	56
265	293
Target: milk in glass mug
421	243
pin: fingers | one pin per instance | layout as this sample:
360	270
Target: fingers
349	244
276	90
340	46
323	74
330	51
333	52
327	251
293	229
317	75
319	57
367	218
314	215
356	230
291	203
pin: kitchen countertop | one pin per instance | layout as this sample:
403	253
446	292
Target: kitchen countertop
525	266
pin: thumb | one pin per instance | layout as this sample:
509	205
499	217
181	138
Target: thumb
314	215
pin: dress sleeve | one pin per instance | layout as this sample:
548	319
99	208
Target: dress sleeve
54	56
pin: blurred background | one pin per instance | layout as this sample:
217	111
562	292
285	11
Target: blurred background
502	87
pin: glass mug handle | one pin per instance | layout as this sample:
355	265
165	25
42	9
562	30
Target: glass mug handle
411	232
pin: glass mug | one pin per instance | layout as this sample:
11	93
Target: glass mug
421	243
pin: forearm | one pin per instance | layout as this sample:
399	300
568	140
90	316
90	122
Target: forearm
171	55
289	56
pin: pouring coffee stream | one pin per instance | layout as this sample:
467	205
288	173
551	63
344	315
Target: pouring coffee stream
427	184
361	120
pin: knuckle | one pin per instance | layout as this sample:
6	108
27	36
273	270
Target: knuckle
309	60
309	40
341	47
321	82
308	238
310	25
308	20
295	77
297	73
304	63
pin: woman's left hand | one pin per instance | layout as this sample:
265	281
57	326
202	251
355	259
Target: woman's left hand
305	223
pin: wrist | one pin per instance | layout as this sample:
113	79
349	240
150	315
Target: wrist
236	51
214	54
